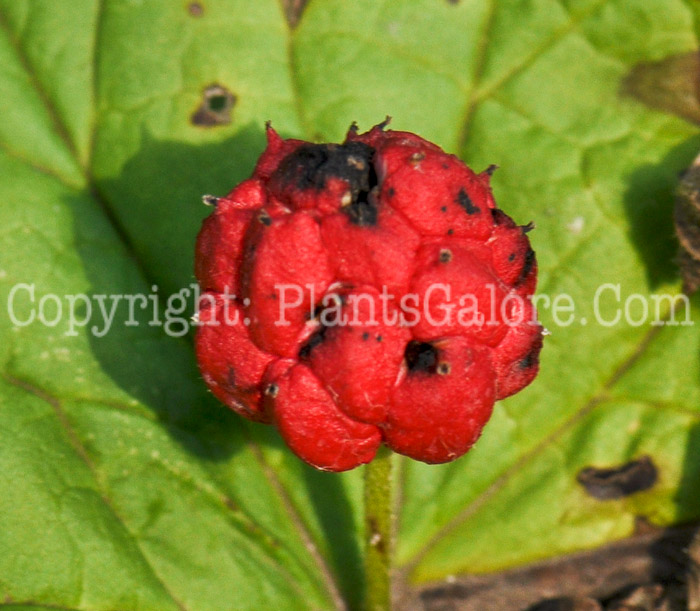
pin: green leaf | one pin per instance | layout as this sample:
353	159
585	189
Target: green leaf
124	485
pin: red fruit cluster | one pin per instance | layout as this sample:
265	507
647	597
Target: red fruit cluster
297	264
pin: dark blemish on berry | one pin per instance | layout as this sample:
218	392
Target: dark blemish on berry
499	217
621	481
533	357
528	266
443	208
265	219
445	166
421	357
312	165
210	200
365	336
215	108
316	312
316	339
272	390
356	163
465	202
450	231
445	255
319	335
527	228
511	257
363	212
379	338
195	9
391	192
231	376
443	368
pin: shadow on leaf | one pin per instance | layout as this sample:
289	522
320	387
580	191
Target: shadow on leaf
156	206
649	202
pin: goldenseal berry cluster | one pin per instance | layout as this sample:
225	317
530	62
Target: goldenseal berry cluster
383	211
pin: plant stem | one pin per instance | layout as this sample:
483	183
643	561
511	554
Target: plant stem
378	532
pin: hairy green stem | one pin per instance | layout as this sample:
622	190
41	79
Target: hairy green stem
378	532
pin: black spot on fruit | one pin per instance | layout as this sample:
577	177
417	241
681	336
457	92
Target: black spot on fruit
528	266
362	212
532	358
618	482
319	335
312	165
215	107
511	257
314	340
365	336
445	255
421	357
272	390
499	217
465	202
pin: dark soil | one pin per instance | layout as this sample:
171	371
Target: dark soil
655	570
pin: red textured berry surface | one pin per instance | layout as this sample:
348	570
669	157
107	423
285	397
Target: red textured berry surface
364	293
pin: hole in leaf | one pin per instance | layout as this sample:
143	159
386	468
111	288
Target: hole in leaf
215	108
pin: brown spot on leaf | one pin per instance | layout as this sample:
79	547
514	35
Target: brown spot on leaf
215	108
671	85
230	503
293	10
195	9
686	216
618	482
